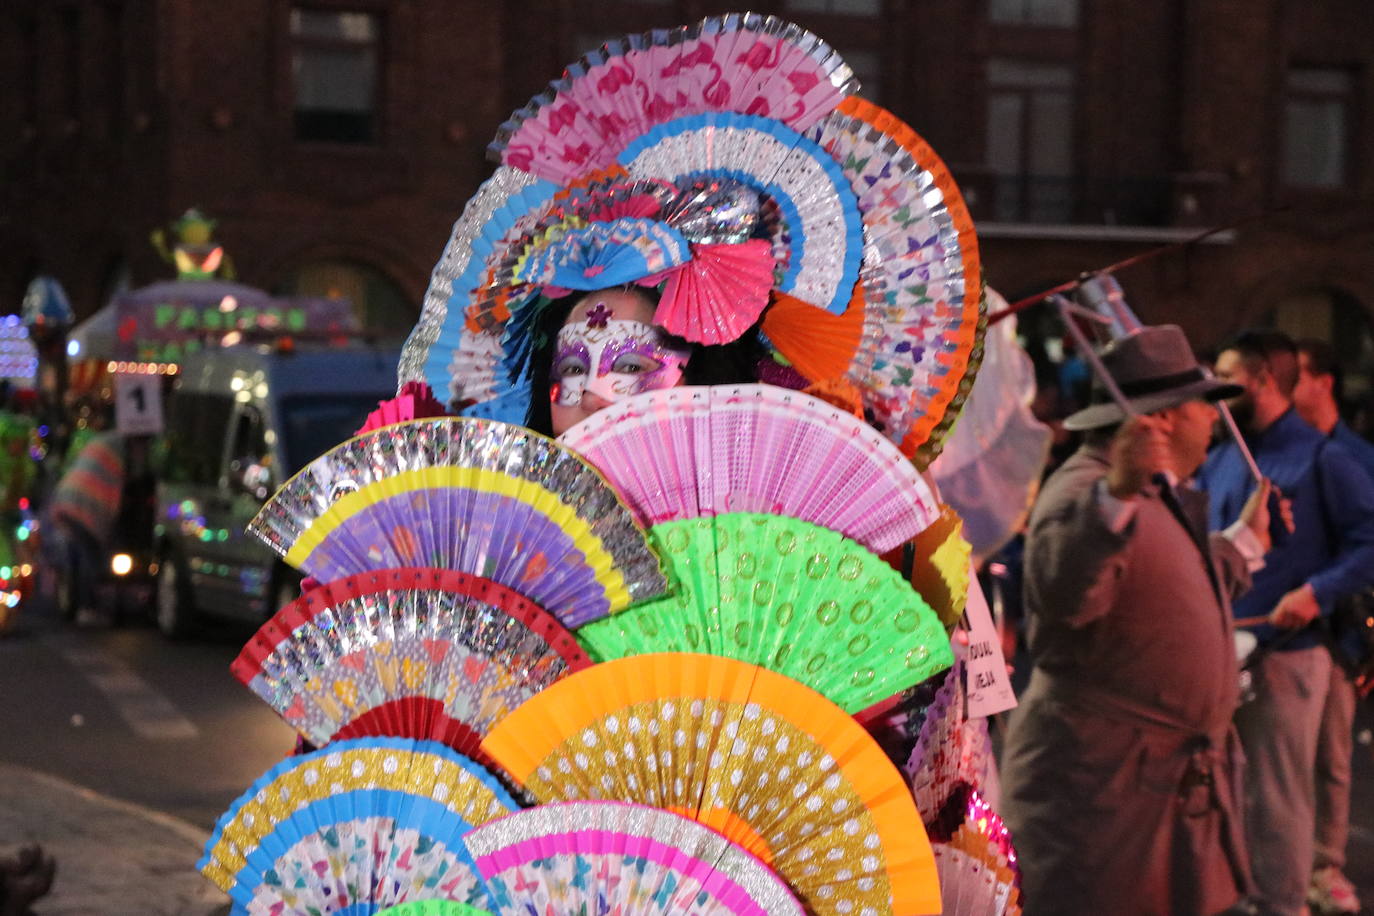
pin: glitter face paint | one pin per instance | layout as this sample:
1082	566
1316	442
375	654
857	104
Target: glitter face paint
612	360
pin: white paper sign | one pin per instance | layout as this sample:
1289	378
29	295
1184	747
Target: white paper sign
138	404
989	688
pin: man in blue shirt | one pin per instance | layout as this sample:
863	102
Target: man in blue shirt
1317	400
1303	576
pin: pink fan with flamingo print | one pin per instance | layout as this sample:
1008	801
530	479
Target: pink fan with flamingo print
746	63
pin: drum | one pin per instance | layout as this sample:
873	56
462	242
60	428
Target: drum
1246	643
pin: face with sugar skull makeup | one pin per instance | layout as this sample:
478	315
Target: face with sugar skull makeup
609	349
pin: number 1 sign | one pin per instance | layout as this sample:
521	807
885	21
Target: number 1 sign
138	404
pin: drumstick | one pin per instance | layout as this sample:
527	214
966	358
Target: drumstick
1252	621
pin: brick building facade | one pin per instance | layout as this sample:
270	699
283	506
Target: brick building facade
336	140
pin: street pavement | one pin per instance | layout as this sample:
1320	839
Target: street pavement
114	858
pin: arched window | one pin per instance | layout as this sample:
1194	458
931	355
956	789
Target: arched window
1335	316
378	302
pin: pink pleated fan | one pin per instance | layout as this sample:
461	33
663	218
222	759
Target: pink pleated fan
617	857
742	62
702	451
719	294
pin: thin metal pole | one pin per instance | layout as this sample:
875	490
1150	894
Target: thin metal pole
1066	312
1229	419
1131	261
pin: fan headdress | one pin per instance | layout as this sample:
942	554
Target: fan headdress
729	167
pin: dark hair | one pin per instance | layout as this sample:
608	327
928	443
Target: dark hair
724	364
1101	435
1266	348
1321	360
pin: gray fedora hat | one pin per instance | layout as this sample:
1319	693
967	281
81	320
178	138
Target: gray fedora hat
1155	368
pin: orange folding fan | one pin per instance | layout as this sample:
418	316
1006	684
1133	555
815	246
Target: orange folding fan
771	764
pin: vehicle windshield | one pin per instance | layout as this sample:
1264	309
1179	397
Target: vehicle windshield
313	424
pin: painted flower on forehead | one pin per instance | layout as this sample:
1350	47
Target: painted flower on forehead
599	315
612	359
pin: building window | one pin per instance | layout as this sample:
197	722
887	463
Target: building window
1316	127
1052	13
836	7
378	303
1030	140
335	72
1343	321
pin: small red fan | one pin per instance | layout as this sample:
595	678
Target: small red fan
414	401
414	653
716	296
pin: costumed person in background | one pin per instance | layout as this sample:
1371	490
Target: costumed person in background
1331	554
1317	399
1117	767
83	507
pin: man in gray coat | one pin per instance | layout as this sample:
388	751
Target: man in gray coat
1119	783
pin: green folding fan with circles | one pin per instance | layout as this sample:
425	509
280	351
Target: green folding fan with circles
786	595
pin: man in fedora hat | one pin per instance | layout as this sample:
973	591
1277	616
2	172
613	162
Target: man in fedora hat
1118	784
1329	555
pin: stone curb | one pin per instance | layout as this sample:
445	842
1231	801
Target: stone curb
114	858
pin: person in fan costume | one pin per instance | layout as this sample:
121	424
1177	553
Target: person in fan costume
601	346
709	205
608	348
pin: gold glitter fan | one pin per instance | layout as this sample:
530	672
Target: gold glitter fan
767	762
